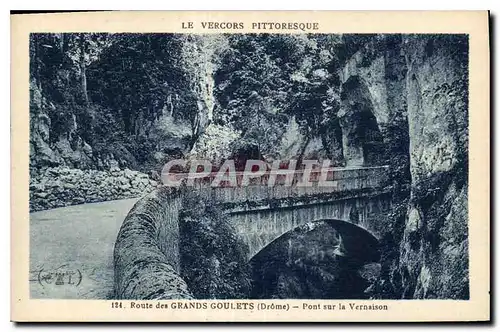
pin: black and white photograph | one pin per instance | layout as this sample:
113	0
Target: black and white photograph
249	166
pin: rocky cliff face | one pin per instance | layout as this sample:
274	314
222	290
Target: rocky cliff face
434	250
147	100
139	101
67	148
372	103
397	100
416	89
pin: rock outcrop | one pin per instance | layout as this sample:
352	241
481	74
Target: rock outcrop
66	148
411	91
372	99
434	250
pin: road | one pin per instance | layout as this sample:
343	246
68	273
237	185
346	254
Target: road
71	250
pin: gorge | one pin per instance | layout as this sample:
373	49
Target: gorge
119	106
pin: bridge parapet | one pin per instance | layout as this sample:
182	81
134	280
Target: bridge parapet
340	180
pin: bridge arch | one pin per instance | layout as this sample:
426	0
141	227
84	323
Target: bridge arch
349	239
319	259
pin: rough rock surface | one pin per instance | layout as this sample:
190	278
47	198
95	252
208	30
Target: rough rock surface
416	88
62	186
214	144
69	149
434	250
368	65
367	102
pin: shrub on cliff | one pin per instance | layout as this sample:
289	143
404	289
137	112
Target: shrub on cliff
213	257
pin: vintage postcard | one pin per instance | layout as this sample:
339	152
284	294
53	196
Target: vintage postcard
250	166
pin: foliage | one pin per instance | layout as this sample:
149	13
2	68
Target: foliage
266	79
107	88
140	74
116	89
213	257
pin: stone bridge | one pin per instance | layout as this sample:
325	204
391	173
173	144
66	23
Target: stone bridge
147	248
261	214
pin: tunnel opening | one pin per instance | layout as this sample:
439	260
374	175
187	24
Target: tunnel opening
324	259
363	142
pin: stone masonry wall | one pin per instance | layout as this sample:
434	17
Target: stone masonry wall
146	254
62	186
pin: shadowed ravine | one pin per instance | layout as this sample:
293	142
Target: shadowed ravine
323	260
390	112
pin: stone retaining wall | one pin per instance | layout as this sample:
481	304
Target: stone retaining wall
62	186
146	254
